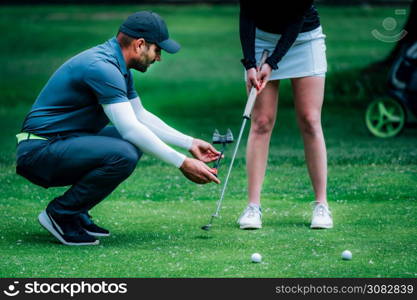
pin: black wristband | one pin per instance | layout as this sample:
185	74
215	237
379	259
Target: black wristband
248	64
272	63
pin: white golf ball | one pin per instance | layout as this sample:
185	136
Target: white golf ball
256	258
346	255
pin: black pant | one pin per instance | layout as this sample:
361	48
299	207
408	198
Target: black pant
94	165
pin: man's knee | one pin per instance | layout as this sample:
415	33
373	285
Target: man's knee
124	158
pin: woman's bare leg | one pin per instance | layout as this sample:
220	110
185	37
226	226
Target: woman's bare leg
308	98
262	124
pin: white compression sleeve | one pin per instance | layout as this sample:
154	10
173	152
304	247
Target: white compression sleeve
162	130
123	118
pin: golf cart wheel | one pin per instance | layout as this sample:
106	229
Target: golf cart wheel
385	118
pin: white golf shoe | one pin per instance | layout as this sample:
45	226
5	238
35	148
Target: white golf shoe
322	217
250	218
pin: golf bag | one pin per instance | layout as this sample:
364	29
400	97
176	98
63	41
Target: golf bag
386	117
402	79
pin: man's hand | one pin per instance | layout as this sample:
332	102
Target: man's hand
198	172
204	151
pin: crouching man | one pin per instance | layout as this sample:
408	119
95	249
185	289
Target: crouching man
66	139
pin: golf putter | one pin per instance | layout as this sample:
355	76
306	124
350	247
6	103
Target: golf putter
246	116
224	140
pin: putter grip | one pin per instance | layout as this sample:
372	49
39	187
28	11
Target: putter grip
253	92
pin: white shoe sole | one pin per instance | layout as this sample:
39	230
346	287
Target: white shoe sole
46	223
251	226
97	234
321	226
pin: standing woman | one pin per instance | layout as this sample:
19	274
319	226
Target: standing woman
294	37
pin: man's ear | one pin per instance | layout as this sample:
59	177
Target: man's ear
139	43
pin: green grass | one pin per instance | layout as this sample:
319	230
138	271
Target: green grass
155	215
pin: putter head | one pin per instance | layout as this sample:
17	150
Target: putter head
222	138
206	227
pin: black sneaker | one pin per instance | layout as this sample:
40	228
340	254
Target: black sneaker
68	232
92	229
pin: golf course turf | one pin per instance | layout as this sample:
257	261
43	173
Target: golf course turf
156	214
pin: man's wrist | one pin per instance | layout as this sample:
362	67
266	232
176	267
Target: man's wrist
180	160
189	143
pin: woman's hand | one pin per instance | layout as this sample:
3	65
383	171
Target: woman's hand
263	76
258	78
251	79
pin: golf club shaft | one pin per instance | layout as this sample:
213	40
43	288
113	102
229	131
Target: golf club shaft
217	163
230	167
253	92
246	116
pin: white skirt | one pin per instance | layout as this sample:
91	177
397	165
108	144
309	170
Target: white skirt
306	57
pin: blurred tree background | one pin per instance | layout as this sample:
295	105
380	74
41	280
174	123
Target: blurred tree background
353	85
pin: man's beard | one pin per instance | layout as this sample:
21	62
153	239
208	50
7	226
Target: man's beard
141	66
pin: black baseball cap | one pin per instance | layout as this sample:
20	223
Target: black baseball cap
151	27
